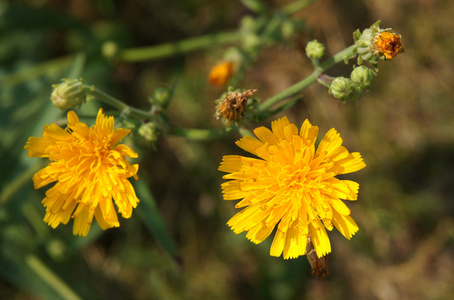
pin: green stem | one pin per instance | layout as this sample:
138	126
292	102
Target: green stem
296	6
343	55
50	277
169	49
100	95
18	183
200	134
34	71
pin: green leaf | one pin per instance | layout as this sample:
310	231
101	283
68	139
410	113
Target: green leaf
151	217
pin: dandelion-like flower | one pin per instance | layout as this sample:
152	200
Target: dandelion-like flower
292	185
89	169
221	73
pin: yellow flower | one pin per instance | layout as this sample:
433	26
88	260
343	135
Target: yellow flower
292	186
221	73
388	44
89	171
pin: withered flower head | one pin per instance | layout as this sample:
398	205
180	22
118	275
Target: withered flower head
233	104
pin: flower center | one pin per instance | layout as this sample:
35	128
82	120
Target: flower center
299	180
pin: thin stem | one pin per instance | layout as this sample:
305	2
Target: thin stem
200	134
17	183
100	95
306	82
263	109
170	49
34	71
296	6
52	279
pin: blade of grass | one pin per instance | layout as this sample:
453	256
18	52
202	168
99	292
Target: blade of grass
151	217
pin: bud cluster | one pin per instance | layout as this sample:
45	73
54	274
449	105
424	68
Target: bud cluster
352	88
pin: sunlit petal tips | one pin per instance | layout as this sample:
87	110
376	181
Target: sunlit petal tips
291	186
90	172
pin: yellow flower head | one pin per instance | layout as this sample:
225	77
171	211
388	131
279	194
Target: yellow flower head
388	44
89	170
221	73
292	186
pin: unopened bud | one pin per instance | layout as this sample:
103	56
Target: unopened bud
161	97
315	50
341	88
109	49
362	76
69	93
148	134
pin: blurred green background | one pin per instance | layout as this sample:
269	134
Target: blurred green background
403	127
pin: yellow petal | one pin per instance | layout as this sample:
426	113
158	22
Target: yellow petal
248	218
308	132
249	144
278	243
231	163
82	222
100	219
265	135
295	243
289	131
118	135
352	163
259	233
72	117
36	147
320	239
346	189
340	207
104	124
345	224
278	128
55	132
329	143
125	151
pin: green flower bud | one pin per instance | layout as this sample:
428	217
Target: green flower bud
362	76
148	134
109	49
315	50
356	94
288	29
69	93
341	88
161	97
